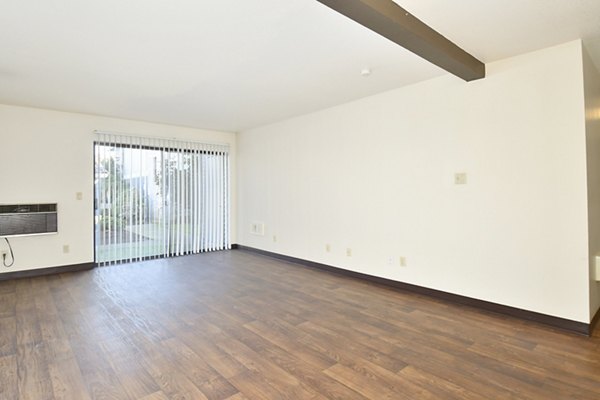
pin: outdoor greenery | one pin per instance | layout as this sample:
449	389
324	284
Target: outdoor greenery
130	206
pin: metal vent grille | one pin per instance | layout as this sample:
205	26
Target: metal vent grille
28	219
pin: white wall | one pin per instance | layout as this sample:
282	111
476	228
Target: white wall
592	128
376	176
47	156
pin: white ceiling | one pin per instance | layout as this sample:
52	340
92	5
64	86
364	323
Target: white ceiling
231	64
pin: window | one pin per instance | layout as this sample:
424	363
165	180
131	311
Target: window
159	198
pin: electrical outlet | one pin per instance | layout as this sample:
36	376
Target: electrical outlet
66	248
390	261
402	261
328	248
79	196
349	252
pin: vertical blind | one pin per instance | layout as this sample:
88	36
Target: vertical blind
159	197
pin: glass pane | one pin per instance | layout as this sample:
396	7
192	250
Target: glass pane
156	202
129	203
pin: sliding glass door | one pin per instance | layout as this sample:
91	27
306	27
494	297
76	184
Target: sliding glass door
158	198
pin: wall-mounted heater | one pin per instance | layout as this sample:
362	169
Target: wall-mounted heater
27	219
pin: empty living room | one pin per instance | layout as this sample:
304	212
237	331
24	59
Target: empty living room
300	199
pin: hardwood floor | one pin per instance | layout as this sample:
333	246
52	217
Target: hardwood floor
239	326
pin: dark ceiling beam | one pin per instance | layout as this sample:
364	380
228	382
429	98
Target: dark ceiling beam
398	25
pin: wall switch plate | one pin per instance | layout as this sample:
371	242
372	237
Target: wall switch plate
460	178
402	261
349	252
66	248
257	228
79	196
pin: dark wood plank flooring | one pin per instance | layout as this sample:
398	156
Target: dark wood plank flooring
238	326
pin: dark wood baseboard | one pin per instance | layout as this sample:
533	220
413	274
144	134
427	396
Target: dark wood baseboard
30	273
549	320
594	321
